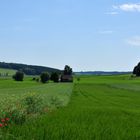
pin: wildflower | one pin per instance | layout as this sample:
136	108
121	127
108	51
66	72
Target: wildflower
7	119
3	120
5	124
1	124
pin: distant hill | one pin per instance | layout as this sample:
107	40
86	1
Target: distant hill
28	69
101	73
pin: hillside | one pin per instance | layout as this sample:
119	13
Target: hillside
27	69
7	72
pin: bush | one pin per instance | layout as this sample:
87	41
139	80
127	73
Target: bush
78	79
37	79
44	77
15	114
55	77
18	117
33	79
18	113
33	104
18	76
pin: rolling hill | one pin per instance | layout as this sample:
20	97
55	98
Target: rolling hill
27	69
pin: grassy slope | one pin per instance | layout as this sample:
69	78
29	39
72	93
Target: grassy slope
9	71
98	110
12	92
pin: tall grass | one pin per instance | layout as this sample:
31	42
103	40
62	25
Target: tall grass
98	110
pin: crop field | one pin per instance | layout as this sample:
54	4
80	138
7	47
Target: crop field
7	72
92	108
12	92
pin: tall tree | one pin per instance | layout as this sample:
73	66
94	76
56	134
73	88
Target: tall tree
67	70
136	70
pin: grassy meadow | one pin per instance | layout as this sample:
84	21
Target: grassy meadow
92	108
8	72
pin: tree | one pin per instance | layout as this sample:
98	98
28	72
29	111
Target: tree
55	77
44	77
18	76
67	70
136	70
67	74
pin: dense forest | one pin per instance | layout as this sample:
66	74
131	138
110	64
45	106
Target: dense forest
28	69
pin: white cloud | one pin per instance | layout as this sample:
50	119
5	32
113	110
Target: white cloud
134	41
105	32
128	7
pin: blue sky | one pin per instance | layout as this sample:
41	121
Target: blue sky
85	34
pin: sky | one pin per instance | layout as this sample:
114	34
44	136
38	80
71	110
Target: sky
88	35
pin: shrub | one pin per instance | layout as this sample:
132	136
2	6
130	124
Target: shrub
14	114
33	104
37	79
44	77
33	79
78	79
19	112
4	122
18	117
18	76
55	77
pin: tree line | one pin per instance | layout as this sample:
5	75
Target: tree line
46	76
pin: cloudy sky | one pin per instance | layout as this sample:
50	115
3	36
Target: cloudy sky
85	34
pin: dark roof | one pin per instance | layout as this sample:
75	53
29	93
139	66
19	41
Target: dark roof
66	78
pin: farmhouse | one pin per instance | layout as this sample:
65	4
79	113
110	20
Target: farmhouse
66	78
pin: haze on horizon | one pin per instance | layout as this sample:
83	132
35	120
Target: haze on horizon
87	35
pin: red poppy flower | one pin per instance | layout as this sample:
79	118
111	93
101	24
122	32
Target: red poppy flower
7	119
1	124
3	120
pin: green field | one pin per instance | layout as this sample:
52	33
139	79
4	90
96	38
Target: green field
94	108
8	72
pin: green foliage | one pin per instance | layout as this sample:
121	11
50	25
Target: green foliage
34	78
18	116
136	70
44	77
25	101
15	113
97	103
55	77
78	79
18	76
67	70
12	92
33	104
37	79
